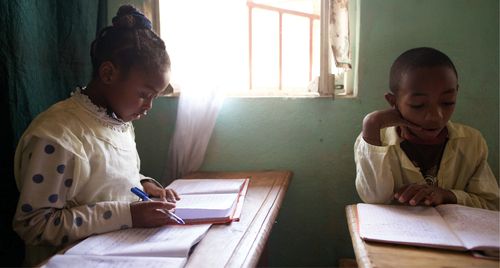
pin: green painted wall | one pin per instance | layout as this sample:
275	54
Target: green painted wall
314	137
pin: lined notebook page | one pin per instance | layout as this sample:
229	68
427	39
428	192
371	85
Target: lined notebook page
405	225
166	241
65	261
205	186
205	206
477	228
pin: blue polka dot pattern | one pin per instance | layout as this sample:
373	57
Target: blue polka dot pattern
53	198
65	239
49	149
60	169
107	215
38	178
57	221
26	208
68	182
78	221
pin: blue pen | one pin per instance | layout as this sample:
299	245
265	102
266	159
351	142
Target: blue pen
142	195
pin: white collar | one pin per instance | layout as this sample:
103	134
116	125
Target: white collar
99	113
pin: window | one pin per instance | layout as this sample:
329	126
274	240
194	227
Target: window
248	47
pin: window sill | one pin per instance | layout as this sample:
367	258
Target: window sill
285	95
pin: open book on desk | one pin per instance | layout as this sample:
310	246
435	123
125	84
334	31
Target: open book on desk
210	200
167	246
449	226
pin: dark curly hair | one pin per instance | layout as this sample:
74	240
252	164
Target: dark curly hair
129	42
417	58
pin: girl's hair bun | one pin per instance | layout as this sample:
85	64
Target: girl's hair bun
129	17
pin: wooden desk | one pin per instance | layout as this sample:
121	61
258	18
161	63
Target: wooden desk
372	254
240	244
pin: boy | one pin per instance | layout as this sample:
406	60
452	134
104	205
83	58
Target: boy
411	152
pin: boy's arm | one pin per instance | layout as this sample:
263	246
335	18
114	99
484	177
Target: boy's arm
377	120
374	178
482	188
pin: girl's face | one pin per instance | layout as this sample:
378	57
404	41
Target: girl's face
426	97
131	97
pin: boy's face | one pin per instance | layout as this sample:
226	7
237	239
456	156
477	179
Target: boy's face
131	97
426	97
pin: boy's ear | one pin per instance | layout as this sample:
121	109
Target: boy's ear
108	72
390	98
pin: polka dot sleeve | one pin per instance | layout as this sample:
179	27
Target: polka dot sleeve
46	213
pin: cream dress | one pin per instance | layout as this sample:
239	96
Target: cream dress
74	167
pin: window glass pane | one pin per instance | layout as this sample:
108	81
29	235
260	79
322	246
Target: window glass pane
316	48
207	41
265	49
295	66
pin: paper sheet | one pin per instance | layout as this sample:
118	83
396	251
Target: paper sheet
475	227
65	261
205	206
167	241
205	186
405	225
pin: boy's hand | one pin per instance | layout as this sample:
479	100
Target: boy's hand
150	214
154	190
423	194
375	121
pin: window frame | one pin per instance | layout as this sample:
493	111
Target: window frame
326	80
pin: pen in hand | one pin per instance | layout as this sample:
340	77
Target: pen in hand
142	195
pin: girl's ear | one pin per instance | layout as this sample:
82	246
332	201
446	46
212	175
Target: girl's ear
390	98
108	72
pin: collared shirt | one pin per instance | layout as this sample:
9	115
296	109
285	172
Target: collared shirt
464	170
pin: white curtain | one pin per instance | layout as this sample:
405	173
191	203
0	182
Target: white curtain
339	33
201	50
196	117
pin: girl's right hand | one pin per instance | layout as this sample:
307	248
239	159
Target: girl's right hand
150	214
375	121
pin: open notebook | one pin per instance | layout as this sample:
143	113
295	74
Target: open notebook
446	226
167	246
209	200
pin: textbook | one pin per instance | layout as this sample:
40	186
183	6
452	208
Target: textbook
447	226
209	200
203	201
167	246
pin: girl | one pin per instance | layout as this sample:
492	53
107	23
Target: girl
76	162
411	153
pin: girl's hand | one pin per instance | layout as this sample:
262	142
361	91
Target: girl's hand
150	214
154	190
423	194
375	121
